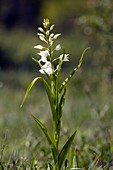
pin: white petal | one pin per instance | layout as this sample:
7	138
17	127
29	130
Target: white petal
41	71
64	57
40	34
42	38
56	36
61	56
41	29
43	59
48	64
46	68
49	70
51	35
40	47
51	28
43	53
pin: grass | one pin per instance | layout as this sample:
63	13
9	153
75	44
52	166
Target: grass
88	109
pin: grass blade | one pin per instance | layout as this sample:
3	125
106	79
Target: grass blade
64	151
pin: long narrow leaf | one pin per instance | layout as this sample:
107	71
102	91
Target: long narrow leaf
73	72
48	90
50	139
28	90
64	151
50	97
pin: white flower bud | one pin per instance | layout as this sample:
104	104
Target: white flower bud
58	47
39	47
51	35
56	36
46	68
42	38
41	29
51	28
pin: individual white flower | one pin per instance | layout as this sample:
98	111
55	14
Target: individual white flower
58	47
39	47
49	70
64	57
43	59
43	55
46	68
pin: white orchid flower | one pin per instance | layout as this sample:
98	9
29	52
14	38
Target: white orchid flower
43	59
58	47
64	57
43	55
46	68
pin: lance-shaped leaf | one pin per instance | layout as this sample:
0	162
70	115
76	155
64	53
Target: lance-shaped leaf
64	151
63	85
50	139
48	91
28	90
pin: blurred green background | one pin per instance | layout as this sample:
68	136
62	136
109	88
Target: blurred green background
82	24
89	104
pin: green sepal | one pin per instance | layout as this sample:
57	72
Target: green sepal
64	151
50	139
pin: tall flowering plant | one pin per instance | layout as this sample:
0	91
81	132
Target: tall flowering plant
56	91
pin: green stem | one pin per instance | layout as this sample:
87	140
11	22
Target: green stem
56	167
57	106
56	119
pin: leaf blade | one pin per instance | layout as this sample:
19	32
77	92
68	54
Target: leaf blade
65	150
28	90
50	139
48	90
50	96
